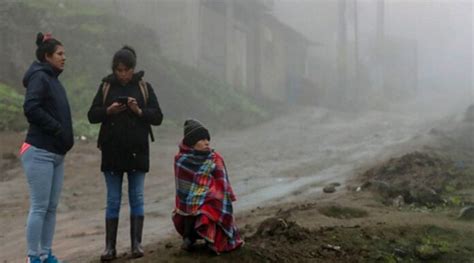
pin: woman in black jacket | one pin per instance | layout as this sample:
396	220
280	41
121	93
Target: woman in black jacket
48	140
126	106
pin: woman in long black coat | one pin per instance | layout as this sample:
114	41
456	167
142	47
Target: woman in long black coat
126	106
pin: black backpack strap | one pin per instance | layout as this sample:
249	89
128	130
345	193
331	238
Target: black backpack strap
152	137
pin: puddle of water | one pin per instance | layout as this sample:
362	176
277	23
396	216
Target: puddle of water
334	173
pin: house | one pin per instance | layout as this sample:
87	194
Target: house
239	42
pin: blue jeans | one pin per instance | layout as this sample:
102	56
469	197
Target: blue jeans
136	181
45	174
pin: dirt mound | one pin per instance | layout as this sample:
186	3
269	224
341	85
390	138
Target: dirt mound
419	178
283	230
278	240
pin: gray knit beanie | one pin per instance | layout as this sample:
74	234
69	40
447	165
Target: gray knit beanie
194	131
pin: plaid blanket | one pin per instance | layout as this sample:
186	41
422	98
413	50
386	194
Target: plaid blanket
203	190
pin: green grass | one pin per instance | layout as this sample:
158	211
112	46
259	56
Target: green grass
183	91
11	109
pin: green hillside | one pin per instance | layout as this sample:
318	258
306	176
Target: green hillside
91	36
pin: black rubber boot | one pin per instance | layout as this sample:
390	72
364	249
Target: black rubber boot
136	229
110	253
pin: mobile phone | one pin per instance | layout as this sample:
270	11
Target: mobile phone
122	99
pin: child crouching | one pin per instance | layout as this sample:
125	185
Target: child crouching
204	195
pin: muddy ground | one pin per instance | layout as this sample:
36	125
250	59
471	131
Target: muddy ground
278	170
383	214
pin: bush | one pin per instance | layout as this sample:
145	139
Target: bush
11	109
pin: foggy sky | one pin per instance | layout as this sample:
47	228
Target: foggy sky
443	32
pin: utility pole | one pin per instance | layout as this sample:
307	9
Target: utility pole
380	45
356	49
341	92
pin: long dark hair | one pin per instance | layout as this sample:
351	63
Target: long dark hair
126	56
46	45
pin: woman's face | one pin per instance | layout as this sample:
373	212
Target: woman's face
123	74
57	59
202	145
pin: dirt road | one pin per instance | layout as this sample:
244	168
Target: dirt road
285	159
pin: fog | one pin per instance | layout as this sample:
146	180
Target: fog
361	52
298	95
437	36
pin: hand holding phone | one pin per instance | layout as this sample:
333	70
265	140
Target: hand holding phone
133	106
115	108
122	99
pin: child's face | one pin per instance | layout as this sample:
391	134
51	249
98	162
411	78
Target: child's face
202	145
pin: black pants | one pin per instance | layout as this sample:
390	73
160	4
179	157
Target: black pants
189	231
